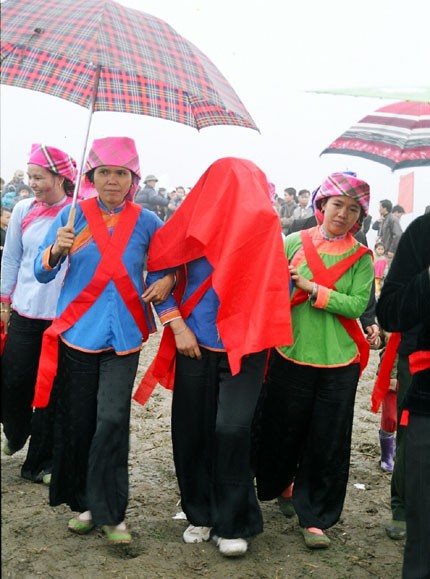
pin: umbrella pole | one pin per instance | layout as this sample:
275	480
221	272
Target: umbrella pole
71	220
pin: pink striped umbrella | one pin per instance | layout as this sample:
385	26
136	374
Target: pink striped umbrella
397	135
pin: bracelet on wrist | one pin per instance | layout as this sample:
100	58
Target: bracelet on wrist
313	294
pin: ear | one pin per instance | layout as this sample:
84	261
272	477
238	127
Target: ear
323	204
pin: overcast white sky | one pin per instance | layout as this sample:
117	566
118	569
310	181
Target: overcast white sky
272	52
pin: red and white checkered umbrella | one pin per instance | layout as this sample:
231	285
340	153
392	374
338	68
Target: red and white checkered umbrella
397	135
132	61
107	57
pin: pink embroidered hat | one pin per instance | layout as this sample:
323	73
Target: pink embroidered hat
339	184
116	151
57	162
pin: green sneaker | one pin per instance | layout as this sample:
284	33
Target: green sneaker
315	540
286	506
396	530
7	449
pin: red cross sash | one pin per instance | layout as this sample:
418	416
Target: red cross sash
109	268
162	368
328	276
382	382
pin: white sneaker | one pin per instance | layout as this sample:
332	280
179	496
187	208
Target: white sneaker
231	547
196	534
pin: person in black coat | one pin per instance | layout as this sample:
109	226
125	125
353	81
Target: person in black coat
403	303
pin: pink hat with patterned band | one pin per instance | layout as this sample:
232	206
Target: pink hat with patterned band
339	184
57	162
116	151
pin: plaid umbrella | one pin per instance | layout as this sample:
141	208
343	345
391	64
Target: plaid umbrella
134	62
397	135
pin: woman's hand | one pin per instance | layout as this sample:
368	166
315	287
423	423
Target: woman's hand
5	316
300	281
186	342
62	245
372	334
158	291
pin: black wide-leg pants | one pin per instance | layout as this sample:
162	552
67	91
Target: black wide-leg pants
212	414
19	366
91	445
416	563
306	429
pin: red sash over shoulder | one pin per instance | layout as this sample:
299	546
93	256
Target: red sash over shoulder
110	268
328	276
162	369
382	382
228	218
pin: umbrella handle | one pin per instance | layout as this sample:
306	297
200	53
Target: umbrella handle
70	223
72	214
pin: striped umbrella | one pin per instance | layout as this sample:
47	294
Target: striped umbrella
397	135
106	57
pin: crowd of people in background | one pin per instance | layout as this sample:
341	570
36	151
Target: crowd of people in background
333	283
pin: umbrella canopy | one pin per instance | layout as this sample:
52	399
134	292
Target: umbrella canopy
416	93
397	135
107	57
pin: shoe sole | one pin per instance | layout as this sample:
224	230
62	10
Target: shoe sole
313	541
80	527
230	550
233	553
117	537
191	539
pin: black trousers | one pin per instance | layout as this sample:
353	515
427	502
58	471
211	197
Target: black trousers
90	470
404	379
306	428
19	370
212	413
416	563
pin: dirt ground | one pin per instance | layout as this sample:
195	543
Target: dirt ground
36	542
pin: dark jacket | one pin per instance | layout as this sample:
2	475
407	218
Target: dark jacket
389	232
150	199
405	302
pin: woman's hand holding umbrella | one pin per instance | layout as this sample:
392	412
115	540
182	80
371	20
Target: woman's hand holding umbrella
62	245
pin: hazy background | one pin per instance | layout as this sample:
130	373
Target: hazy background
272	53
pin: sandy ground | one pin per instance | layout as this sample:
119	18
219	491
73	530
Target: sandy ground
36	542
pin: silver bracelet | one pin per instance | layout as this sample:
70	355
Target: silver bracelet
313	294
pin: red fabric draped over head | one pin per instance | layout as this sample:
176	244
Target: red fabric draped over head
228	218
57	162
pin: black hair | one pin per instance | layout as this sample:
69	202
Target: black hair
386	204
90	175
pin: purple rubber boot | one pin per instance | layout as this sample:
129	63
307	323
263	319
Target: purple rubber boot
388	450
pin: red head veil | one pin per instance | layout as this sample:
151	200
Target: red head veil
228	218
